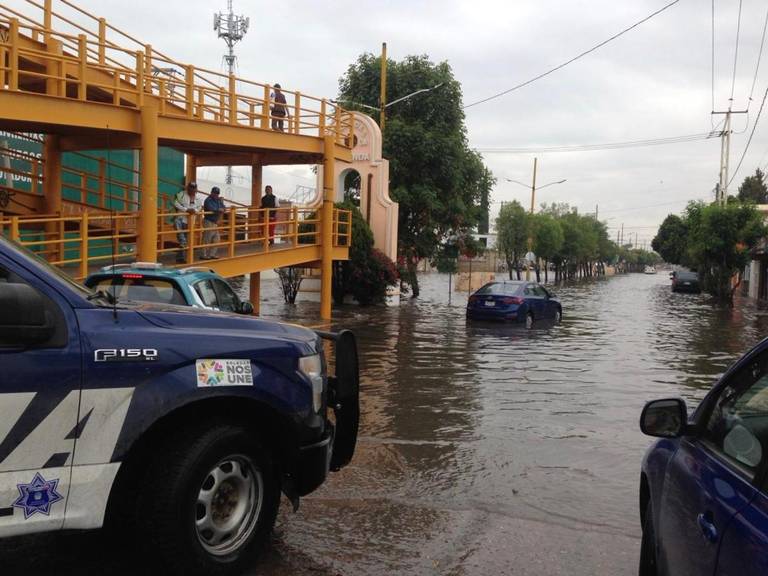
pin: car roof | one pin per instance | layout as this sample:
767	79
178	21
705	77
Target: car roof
154	270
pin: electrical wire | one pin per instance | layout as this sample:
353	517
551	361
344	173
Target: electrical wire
759	57
751	134
566	63
598	147
736	52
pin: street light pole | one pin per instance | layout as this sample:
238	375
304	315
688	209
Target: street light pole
383	93
530	223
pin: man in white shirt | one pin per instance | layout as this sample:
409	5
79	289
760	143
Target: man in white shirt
186	201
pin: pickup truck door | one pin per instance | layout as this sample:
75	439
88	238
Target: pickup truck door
39	397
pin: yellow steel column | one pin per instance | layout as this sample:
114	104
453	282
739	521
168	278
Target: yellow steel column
146	244
52	189
191	168
256	173
52	174
329	159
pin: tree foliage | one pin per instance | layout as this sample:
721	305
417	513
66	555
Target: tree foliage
754	189
434	176
512	234
714	240
368	272
671	240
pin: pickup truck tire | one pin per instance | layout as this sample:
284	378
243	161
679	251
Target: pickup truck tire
209	503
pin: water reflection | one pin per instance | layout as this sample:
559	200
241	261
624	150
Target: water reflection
495	419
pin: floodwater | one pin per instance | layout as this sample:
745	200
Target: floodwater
490	449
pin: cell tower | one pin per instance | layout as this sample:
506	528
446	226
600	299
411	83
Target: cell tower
231	28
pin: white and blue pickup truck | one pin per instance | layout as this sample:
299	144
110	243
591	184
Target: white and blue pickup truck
181	424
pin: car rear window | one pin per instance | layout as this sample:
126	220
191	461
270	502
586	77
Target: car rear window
687	276
499	288
143	289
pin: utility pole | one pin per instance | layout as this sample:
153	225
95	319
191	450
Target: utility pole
596	210
725	152
621	242
231	28
383	83
530	224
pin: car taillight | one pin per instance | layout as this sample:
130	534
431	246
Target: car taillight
133	275
472	299
512	300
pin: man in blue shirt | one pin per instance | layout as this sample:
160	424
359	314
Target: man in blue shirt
213	209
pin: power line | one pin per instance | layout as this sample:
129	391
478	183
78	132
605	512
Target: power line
736	52
564	64
759	57
751	134
597	147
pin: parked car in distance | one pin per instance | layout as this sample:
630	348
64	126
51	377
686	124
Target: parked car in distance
703	485
515	301
150	282
685	281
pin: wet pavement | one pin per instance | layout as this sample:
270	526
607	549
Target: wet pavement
489	449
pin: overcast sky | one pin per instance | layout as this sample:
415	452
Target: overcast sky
653	82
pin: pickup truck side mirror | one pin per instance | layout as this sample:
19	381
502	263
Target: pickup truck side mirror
245	307
667	418
23	317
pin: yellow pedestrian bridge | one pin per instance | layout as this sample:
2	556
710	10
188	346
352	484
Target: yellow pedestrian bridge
77	84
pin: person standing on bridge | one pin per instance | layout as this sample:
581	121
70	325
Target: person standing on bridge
213	207
186	203
279	109
269	201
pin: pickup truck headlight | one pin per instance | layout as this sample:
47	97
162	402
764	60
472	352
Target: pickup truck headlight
312	367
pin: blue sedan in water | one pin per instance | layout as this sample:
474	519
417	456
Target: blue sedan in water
515	301
704	485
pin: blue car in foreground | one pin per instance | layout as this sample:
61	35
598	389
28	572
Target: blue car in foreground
704	484
515	301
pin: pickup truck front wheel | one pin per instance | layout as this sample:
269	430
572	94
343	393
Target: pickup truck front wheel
210	503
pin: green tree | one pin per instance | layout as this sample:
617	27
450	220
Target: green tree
719	243
512	230
547	238
754	189
671	240
434	176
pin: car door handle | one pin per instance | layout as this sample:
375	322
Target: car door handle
707	527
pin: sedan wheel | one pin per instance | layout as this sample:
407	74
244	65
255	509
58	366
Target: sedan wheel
529	320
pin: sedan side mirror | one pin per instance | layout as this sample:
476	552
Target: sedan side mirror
245	308
24	320
667	418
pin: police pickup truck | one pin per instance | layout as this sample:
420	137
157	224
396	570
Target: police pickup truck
182	425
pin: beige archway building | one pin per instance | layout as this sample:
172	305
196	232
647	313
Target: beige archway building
377	207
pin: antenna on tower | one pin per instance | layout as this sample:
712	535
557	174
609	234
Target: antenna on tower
231	28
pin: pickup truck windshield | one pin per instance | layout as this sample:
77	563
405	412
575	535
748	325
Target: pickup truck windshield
35	261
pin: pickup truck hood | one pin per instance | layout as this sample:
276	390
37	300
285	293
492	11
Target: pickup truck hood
210	322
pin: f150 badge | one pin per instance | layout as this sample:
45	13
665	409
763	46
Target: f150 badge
125	355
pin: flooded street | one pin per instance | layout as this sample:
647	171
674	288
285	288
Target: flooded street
488	449
491	449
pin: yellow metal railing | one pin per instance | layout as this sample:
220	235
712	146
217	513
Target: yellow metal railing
80	242
78	62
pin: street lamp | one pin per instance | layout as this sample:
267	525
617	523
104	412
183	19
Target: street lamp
533	201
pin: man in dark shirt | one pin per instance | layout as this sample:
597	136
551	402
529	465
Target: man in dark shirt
269	201
279	109
213	209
